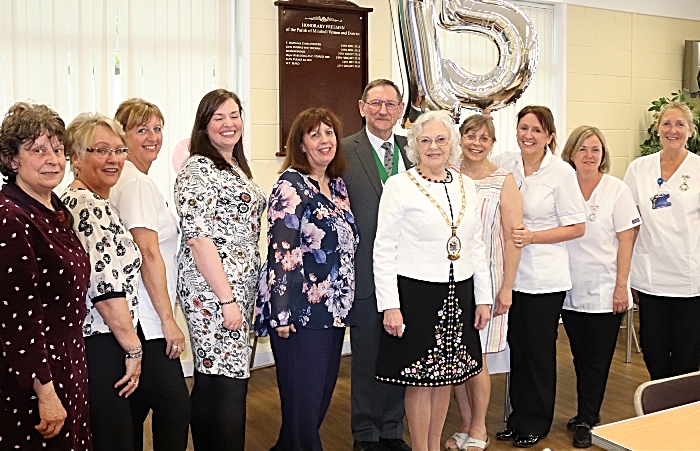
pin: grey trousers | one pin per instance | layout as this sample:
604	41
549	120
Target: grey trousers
377	408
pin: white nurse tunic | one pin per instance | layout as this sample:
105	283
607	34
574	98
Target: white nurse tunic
666	259
593	257
551	198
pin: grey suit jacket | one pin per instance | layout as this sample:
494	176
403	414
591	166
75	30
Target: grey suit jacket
364	190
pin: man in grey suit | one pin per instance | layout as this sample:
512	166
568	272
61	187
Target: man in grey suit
373	154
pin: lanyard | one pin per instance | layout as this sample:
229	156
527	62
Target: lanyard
380	166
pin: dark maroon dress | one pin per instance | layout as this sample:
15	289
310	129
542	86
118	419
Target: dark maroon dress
44	274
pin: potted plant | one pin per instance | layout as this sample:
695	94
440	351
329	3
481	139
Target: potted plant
652	143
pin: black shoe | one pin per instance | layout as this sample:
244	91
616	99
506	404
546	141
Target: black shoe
507	434
582	436
526	441
394	444
368	446
571	425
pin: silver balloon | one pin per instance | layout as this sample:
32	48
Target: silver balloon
444	84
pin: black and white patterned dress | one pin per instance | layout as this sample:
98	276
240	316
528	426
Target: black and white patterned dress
114	257
227	207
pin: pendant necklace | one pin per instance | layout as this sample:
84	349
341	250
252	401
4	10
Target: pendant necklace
454	245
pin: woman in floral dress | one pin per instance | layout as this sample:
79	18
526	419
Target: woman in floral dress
220	209
306	288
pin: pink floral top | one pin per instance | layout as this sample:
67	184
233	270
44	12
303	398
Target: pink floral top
309	276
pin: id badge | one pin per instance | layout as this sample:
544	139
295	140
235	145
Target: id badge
660	201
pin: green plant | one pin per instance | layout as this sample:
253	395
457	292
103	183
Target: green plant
652	143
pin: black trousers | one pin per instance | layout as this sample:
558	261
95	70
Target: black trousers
669	333
532	336
110	414
592	337
218	412
377	408
162	388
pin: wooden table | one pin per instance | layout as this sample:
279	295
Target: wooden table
674	429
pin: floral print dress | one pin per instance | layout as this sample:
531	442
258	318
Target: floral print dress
226	206
309	276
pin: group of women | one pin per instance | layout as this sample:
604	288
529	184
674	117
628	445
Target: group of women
471	252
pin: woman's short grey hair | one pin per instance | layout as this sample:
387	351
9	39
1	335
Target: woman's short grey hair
81	132
417	129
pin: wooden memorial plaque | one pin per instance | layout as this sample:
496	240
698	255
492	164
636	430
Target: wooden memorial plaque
322	60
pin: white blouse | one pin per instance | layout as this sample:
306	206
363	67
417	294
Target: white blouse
114	257
139	203
551	198
593	257
666	259
412	237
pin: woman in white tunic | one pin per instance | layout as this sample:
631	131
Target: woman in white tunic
666	260
600	266
552	214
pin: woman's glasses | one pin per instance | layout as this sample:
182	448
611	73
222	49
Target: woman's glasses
104	152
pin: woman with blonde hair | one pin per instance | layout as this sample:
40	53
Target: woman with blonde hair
666	259
143	208
600	267
114	351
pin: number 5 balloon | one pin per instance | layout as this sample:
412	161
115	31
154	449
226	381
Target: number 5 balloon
443	83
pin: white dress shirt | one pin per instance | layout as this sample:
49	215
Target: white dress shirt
593	257
377	144
551	198
412	238
666	259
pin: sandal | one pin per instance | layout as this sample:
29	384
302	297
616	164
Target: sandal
460	439
475	443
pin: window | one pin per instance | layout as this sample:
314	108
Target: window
93	54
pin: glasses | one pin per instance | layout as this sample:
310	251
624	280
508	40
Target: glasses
104	152
481	139
377	105
440	141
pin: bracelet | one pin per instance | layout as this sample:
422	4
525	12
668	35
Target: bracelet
134	349
134	355
227	302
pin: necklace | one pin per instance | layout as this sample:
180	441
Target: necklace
483	172
447	179
454	245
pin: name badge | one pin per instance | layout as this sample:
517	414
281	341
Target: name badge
660	201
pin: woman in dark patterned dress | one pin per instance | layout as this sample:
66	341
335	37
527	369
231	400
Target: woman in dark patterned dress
43	374
306	288
220	208
97	152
